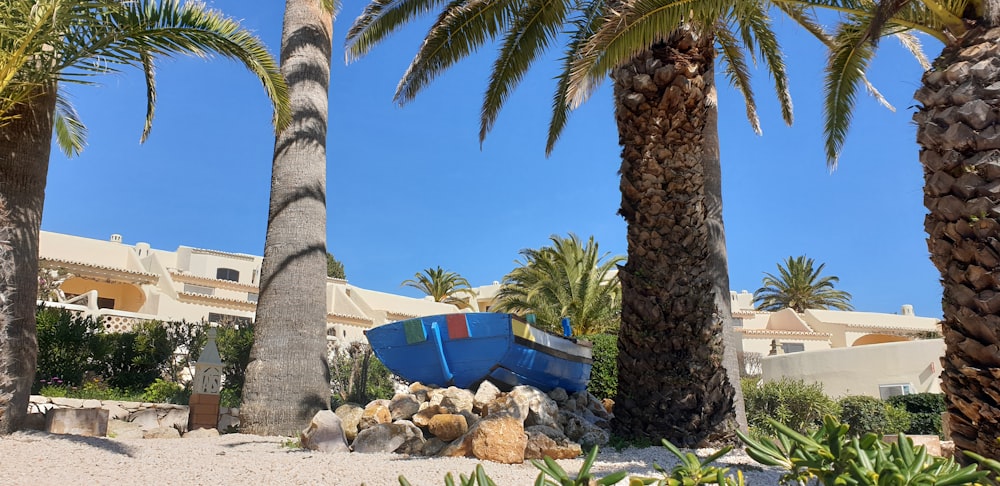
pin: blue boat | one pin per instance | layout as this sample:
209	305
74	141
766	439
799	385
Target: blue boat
466	348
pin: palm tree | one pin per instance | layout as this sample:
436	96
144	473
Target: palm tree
288	377
957	134
800	287
661	56
441	285
567	279
47	42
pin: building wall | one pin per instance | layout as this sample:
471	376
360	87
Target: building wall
763	346
860	370
127	297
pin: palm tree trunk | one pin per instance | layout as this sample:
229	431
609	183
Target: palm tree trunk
671	380
959	135
24	164
288	378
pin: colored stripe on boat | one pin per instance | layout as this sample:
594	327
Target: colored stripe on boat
458	326
521	329
415	332
552	351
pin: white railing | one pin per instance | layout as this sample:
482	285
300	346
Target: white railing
113	320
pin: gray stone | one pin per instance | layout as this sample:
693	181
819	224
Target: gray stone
162	433
201	433
325	433
456	400
403	406
486	393
350	417
541	445
433	446
146	419
120	429
90	422
542	410
403	437
116	412
228	423
176	418
559	395
67	402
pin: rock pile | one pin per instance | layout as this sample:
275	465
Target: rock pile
505	427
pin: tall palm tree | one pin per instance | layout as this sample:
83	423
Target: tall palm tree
661	56
957	131
288	377
568	279
44	43
441	285
800	287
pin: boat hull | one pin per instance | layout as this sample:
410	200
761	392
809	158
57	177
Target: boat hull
464	349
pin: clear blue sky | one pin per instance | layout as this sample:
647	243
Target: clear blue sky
409	188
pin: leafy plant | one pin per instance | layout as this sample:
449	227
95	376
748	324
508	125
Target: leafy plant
831	455
66	345
797	404
554	475
869	414
234	343
163	391
604	374
691	470
925	411
133	360
478	477
358	376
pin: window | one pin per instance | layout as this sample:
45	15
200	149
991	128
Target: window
105	303
227	319
252	296
198	289
793	347
228	274
895	389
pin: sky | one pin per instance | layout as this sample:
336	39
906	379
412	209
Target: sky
410	188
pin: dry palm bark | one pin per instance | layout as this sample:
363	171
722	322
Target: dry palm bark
288	378
959	135
24	159
672	383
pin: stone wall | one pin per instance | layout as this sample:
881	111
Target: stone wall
148	415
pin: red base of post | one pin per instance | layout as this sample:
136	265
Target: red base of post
203	411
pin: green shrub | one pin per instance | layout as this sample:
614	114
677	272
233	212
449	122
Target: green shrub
134	359
66	346
866	414
163	391
234	343
604	374
925	412
795	403
357	376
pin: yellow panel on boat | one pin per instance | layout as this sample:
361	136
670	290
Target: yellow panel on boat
521	330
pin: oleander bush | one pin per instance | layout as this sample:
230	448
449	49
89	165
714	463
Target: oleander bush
66	346
866	414
604	374
925	411
797	404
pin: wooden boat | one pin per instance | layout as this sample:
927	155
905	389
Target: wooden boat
466	348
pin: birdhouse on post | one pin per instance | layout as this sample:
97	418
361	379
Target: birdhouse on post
203	408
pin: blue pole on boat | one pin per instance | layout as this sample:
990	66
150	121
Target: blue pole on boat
567	329
440	349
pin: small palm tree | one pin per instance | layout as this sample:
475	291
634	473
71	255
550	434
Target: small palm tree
442	285
44	43
800	287
567	279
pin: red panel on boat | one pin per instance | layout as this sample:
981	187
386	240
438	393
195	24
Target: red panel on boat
458	326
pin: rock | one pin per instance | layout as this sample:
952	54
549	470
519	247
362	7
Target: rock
375	413
176	418
34	421
486	393
401	437
324	433
455	400
609	405
424	416
116	412
90	422
161	433
403	406
447	426
201	433
559	395
229	422
146	419
540	445
420	391
579	430
500	439
433	446
120	429
542	409
350	416
507	405
550	432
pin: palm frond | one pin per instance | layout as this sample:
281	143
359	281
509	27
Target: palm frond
149	72
735	68
883	12
583	26
462	27
535	26
379	19
759	23
848	60
912	44
70	132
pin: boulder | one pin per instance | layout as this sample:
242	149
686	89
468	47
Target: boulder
579	430
420	391
116	411
146	419
161	433
433	446
424	416
324	433
500	439
453	399
176	418
559	395
403	406
542	410
90	422
506	405
201	433
447	426
486	393
229	422
375	413
120	429
403	437
541	445
350	416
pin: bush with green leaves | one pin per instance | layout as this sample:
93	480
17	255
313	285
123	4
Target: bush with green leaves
66	345
925	411
134	359
357	375
163	391
866	414
234	343
795	403
604	374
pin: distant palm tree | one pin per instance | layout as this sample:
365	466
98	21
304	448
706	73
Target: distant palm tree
442	285
43	44
567	279
800	287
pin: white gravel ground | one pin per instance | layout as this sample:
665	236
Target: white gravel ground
36	458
